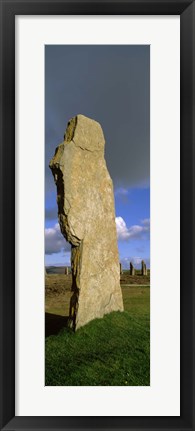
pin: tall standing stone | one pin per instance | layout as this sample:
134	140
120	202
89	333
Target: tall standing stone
87	220
143	268
132	269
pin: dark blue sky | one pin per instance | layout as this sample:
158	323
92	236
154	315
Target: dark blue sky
111	84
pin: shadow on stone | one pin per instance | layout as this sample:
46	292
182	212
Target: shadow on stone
54	324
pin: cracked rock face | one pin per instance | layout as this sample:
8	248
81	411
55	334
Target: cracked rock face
87	220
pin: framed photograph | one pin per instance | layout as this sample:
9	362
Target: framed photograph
97	161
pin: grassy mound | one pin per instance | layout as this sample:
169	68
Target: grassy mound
113	351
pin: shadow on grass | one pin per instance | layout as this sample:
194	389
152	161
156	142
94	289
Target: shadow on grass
54	324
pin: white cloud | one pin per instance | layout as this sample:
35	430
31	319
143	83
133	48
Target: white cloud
54	240
121	191
133	232
145	222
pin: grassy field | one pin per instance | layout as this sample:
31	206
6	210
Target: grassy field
113	351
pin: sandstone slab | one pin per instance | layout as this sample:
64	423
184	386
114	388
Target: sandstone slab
87	220
143	268
132	269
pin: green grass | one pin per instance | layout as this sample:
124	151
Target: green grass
113	351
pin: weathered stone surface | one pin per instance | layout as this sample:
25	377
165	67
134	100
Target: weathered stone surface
143	269
132	269
87	220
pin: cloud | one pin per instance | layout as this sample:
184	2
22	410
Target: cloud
145	222
122	194
134	232
54	241
121	191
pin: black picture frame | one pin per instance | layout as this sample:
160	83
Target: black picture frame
8	11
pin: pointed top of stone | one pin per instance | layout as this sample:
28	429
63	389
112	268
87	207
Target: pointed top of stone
85	133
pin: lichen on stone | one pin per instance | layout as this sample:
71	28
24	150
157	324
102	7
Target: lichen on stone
69	134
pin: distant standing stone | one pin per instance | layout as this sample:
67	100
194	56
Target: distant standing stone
121	269
144	269
87	220
66	270
132	269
